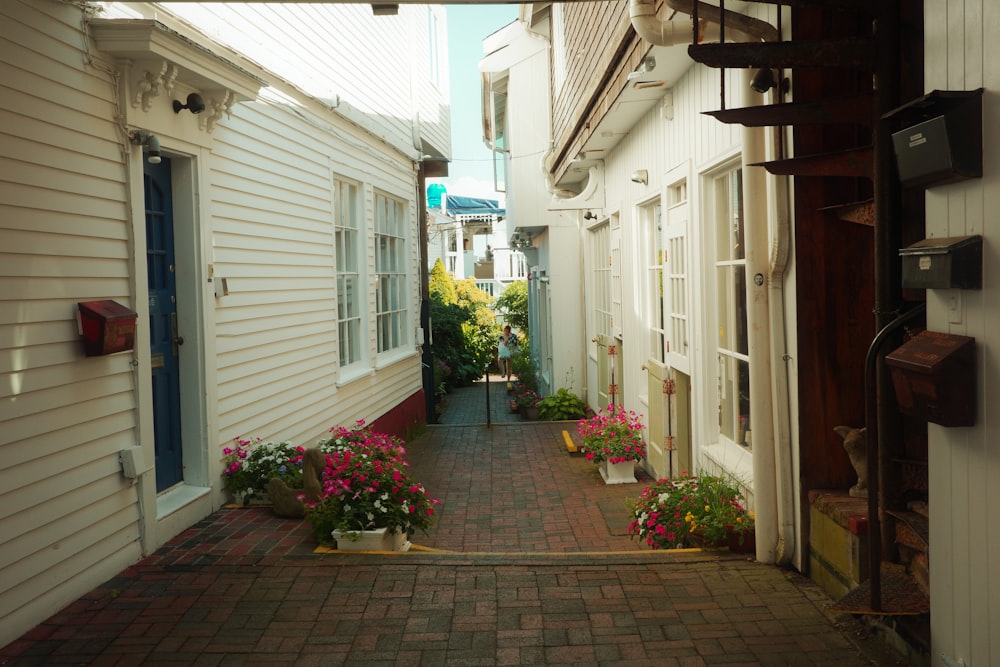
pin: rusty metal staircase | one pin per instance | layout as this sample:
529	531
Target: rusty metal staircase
874	55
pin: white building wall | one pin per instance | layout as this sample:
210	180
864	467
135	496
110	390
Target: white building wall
962	53
68	519
673	137
259	361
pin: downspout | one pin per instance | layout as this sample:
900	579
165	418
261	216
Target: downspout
780	241
755	239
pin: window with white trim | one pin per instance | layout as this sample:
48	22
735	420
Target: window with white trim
731	308
391	315
347	229
600	260
651	219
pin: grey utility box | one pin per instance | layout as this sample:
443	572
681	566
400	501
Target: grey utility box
942	141
955	262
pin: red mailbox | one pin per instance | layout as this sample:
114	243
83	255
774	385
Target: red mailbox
107	327
934	375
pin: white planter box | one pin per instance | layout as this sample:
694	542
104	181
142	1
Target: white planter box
618	473
379	539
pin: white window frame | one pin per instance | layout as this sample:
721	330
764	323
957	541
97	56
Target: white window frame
600	279
721	452
349	264
391	251
650	214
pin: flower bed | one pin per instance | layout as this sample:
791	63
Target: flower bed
705	511
364	481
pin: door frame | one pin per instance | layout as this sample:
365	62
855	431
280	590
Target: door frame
181	506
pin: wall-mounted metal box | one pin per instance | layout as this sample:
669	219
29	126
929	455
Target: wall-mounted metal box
942	141
106	327
934	375
954	262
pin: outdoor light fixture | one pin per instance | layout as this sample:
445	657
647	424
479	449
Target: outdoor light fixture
195	104
151	143
647	65
764	80
640	176
590	215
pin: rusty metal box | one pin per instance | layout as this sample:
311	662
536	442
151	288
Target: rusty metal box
955	262
106	327
934	375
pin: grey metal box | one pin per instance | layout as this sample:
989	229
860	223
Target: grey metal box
954	262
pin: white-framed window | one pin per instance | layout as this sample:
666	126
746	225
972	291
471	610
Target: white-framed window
600	260
391	314
651	221
675	224
347	217
732	349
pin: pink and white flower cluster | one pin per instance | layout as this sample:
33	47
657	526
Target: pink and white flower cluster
613	435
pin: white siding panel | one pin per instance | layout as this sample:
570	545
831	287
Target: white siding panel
961	53
62	240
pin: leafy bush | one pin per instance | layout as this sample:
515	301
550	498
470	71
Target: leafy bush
561	405
524	367
463	327
513	304
699	511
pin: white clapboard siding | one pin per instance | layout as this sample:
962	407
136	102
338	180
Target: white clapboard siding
276	332
67	517
339	53
962	53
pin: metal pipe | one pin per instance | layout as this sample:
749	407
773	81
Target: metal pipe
872	441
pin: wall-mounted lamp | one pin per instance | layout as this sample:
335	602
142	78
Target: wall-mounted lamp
640	176
150	141
647	65
590	215
764	80
195	104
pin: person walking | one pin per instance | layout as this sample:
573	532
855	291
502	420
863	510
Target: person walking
506	347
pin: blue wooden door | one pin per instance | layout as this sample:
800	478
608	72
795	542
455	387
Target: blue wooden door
163	339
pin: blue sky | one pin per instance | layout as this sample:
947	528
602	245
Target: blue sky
471	169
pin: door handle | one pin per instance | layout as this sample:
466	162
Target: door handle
175	339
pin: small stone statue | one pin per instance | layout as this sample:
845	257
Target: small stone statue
285	500
856	444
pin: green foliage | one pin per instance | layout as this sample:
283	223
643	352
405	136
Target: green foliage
524	367
442	285
561	405
513	304
464	329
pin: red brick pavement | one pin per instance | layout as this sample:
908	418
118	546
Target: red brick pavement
528	564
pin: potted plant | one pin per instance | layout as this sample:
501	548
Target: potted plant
704	511
612	438
250	465
526	400
368	501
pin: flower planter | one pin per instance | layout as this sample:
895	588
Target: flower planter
379	539
618	473
530	413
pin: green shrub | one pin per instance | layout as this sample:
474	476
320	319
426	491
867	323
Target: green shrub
513	305
561	405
